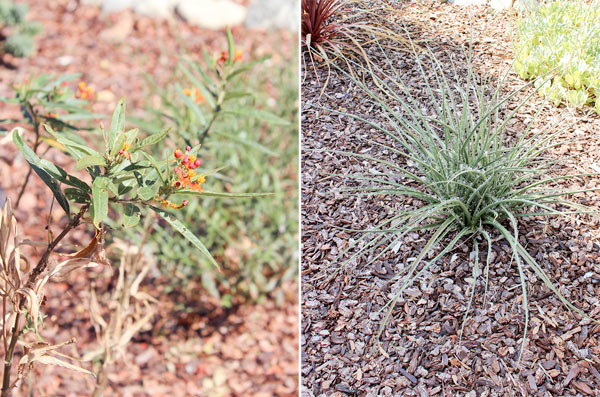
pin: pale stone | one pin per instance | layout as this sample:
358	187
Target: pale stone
120	30
155	8
116	5
105	96
273	14
91	2
65	60
501	4
212	14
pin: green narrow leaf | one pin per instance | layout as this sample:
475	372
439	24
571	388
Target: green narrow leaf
210	62
143	124
248	142
155	165
221	194
246	67
190	104
87	161
62	175
208	282
117	124
230	46
99	207
77	195
146	192
61	79
78	150
236	94
131	135
208	95
151	140
34	162
260	115
122	137
117	145
79	116
9	100
185	232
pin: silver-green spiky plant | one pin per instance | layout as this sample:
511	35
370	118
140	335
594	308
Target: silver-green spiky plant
456	161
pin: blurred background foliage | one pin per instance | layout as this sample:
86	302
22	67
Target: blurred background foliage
16	33
255	139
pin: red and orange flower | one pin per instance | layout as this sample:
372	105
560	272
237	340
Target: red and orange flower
195	94
187	177
85	91
124	153
225	56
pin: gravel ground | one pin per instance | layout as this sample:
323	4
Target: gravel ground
420	354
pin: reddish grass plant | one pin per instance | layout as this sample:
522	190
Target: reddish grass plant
342	29
316	30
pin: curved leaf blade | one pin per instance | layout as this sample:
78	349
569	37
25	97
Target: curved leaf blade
185	232
34	162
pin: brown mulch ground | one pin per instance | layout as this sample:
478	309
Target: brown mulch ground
194	347
420	354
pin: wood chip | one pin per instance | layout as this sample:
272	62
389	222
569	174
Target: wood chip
583	388
408	375
573	372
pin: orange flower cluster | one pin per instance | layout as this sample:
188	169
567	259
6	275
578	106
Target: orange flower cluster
225	56
85	91
194	93
185	171
124	153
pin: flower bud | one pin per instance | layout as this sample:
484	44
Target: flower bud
178	153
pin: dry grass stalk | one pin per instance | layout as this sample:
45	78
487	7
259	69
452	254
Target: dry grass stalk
22	292
130	311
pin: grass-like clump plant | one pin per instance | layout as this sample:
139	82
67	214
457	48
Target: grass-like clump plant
341	29
317	28
457	162
562	37
16	33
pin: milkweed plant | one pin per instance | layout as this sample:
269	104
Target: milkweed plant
116	177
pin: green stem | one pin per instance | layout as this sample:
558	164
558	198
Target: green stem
210	124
